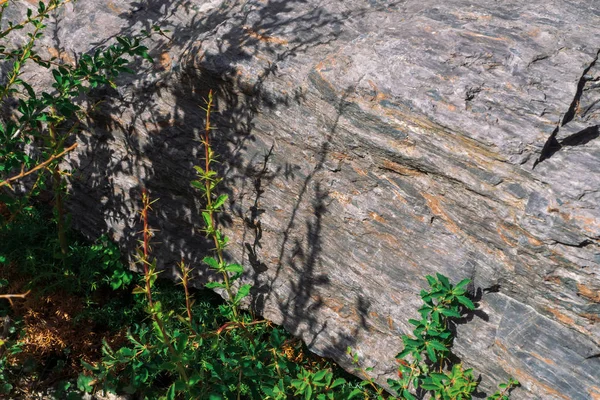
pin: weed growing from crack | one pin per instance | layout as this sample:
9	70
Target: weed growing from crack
424	365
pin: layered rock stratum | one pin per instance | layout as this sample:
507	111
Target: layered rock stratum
365	144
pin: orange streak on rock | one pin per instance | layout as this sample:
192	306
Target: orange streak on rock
61	55
114	8
594	393
435	207
593	318
546	360
500	229
164	60
377	217
561	317
400	169
553	279
524	377
341	197
264	38
588	293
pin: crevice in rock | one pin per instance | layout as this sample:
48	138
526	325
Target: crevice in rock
470	94
550	147
570	114
580	245
582	137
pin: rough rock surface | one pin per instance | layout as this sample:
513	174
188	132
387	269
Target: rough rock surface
367	143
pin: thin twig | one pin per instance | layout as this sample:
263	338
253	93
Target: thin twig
9	297
23	174
41	15
13	296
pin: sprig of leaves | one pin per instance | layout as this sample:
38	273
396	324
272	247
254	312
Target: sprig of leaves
207	182
423	364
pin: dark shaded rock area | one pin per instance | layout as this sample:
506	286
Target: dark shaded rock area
365	144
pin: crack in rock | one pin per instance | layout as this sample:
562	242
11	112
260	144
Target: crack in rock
577	133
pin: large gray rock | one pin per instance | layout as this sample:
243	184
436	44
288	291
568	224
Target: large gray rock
365	145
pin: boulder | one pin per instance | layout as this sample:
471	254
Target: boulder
364	145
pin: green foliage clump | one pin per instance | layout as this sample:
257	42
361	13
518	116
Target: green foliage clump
199	351
424	364
9	346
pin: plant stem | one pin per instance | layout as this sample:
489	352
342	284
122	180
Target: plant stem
58	195
45	164
188	303
9	297
208	185
146	243
148	273
53	5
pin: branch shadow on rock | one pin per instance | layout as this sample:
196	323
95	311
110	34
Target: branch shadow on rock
145	135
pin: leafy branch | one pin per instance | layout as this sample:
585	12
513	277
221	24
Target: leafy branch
424	362
208	179
23	174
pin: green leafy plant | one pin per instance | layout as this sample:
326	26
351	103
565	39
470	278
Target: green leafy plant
424	364
9	332
223	353
48	120
207	182
85	268
199	351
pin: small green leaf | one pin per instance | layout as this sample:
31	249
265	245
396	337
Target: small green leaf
242	292
220	201
214	285
466	302
211	262
431	352
407	395
404	353
430	386
138	290
438	346
85	383
171	392
234	268
448	312
462	283
57	77
308	393
337	382
431	280
444	280
319	375
6	388
206	216
194	379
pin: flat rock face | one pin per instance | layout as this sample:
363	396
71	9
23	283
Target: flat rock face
366	144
